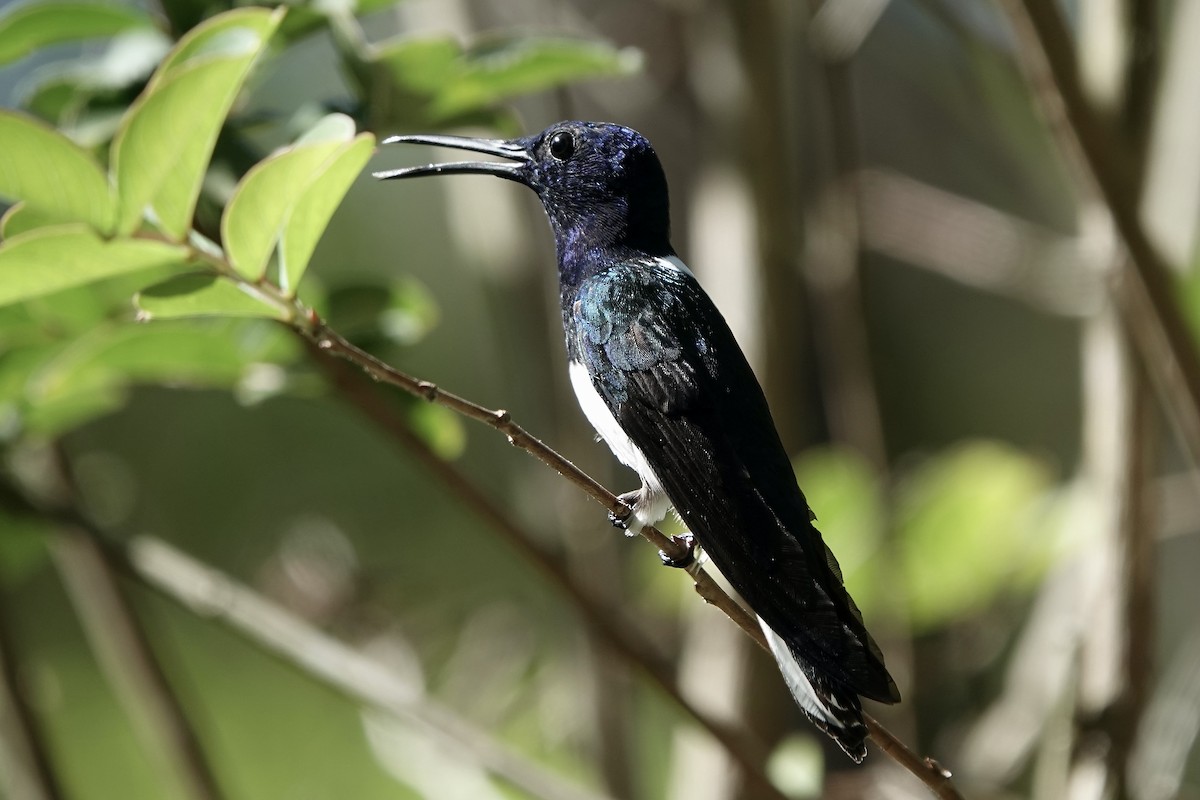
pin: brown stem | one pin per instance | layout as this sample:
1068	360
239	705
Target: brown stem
1137	567
1144	293
617	633
26	769
126	657
276	631
333	343
329	341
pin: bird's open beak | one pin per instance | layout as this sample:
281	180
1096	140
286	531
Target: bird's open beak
496	147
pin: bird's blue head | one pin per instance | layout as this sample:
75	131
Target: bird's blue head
601	184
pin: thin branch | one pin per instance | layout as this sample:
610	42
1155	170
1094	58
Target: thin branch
927	770
678	549
1144	294
617	633
272	628
333	343
125	655
1137	567
26	768
214	595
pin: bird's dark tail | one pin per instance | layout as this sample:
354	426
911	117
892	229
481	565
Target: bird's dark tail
836	711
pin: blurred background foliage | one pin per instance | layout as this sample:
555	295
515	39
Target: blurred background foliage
870	194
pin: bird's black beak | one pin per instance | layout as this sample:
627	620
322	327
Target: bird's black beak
511	150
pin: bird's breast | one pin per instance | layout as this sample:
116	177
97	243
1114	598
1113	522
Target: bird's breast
601	417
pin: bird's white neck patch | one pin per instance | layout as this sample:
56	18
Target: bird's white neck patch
675	263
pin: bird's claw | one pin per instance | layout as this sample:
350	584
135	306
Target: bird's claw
687	560
621	520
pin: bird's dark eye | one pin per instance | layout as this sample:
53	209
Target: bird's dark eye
562	145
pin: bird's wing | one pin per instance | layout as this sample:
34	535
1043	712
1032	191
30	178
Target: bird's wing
669	369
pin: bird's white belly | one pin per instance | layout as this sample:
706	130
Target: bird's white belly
654	503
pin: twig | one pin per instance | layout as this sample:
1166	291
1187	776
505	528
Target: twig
26	769
1142	75
616	632
1137	578
1144	293
332	343
211	593
307	323
125	655
215	595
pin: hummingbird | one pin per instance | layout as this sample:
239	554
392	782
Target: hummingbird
660	376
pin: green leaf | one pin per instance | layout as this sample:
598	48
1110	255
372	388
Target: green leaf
434	80
420	64
311	17
968	529
265	197
238	33
329	128
36	25
51	174
182	352
59	257
22	218
504	68
411	313
202	294
402	311
166	139
312	211
57	417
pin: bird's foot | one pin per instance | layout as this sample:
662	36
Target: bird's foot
621	520
688	560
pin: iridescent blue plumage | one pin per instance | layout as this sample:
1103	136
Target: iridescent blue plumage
661	378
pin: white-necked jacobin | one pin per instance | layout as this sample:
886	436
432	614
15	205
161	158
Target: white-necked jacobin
661	378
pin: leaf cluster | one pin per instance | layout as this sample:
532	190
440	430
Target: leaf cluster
112	176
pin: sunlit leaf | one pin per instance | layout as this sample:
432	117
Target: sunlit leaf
59	257
797	766
68	312
441	429
86	97
404	311
204	295
177	353
845	494
53	176
34	25
420	64
311	214
412	313
65	413
238	33
968	528
329	128
265	197
162	149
